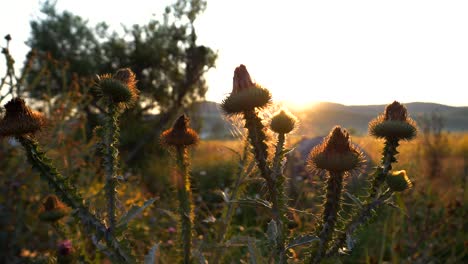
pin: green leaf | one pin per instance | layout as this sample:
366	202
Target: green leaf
150	258
302	240
134	212
354	199
272	232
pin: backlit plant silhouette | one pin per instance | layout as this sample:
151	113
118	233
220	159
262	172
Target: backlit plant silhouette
336	158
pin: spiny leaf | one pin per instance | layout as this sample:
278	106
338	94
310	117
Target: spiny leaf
272	232
302	240
133	212
354	199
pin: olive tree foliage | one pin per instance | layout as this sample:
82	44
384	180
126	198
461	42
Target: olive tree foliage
163	53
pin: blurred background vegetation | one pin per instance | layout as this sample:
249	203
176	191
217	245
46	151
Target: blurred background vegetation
67	53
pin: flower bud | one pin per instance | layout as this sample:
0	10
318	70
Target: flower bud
336	153
394	123
52	209
283	122
120	87
246	95
398	181
180	134
19	119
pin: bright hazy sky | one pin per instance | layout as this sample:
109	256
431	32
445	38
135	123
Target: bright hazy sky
349	52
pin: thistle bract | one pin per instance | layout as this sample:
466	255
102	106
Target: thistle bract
19	119
336	153
394	123
180	134
246	95
52	209
398	181
283	122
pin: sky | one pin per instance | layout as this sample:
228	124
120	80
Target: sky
349	52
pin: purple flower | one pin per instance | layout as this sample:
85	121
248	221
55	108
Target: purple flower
65	247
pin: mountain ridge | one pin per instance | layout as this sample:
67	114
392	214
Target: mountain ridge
319	118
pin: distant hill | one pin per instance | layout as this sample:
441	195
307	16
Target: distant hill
319	118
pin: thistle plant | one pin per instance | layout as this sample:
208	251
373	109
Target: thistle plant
180	137
392	126
337	156
246	99
116	92
21	123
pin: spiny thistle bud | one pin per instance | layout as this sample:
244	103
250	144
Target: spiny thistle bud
283	122
246	95
398	181
336	153
394	123
19	119
180	134
52	209
120	87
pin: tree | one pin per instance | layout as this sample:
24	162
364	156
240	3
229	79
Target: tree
164	55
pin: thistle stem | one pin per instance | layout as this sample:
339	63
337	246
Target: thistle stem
71	197
257	138
111	155
388	157
364	215
332	205
279	204
184	194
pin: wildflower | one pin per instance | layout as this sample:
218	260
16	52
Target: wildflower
283	122
336	153
246	95
52	209
180	134
398	181
65	252
65	248
19	119
394	123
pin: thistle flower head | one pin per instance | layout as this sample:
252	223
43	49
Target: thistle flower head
19	119
283	122
398	181
246	95
180	134
336	153
394	123
52	209
120	88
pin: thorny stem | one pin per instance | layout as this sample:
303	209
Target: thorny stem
362	218
332	206
184	194
257	137
388	157
279	208
71	197
111	155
